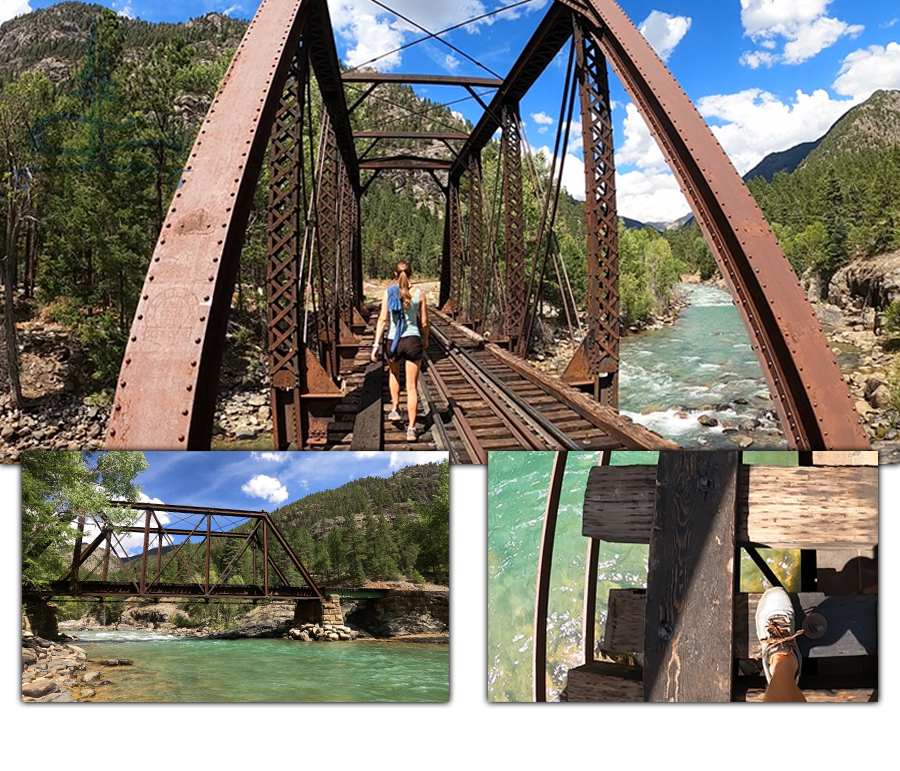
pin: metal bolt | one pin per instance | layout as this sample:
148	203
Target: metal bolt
665	631
705	485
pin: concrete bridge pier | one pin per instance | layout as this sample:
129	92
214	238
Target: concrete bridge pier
327	612
42	618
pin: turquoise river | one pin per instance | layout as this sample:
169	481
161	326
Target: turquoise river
181	669
517	495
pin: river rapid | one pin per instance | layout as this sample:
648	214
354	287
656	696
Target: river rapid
184	669
703	364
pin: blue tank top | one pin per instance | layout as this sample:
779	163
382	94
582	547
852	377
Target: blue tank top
411	314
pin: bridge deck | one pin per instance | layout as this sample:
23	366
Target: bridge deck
475	397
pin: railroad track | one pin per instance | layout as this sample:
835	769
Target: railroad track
490	401
475	397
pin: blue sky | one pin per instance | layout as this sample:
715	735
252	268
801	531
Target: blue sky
766	74
252	481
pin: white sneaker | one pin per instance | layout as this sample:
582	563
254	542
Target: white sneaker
394	416
775	629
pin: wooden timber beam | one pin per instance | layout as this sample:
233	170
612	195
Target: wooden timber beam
851	624
778	507
405	162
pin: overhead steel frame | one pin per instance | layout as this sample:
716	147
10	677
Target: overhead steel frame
596	362
454	256
166	392
803	376
142	584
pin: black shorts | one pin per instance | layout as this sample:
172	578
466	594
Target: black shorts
408	349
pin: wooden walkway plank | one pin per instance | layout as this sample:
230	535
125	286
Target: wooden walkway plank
779	507
690	590
852	624
367	428
602	682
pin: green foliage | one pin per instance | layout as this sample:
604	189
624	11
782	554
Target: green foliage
59	487
891	319
183	622
648	273
434	523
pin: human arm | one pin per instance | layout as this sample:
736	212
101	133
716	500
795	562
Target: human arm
423	320
380	326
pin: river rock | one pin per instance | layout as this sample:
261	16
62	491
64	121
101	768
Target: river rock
28	657
86	693
749	424
39	688
91	677
63	697
116	662
707	420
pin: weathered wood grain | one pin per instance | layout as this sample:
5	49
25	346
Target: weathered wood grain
845	458
788	508
852	624
690	584
368	426
601	681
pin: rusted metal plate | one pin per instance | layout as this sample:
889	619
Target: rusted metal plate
166	391
800	369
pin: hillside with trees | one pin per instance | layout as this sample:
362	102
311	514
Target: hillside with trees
76	246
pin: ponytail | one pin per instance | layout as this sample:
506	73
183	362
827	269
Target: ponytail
402	273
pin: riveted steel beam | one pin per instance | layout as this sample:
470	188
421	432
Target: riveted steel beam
166	393
599	352
418	80
803	376
284	269
513	228
476	243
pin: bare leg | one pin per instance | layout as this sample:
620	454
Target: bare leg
412	391
394	383
782	686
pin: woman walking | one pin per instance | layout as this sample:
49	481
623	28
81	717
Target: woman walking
405	314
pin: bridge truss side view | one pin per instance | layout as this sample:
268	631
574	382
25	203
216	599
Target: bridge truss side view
166	394
187	565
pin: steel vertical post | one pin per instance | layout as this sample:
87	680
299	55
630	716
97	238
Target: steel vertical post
208	539
597	360
76	556
476	243
328	238
513	227
146	549
454	247
266	558
284	231
106	556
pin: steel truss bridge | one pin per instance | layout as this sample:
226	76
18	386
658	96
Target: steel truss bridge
144	571
481	394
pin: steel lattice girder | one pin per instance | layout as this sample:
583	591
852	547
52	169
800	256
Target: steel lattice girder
599	352
455	246
476	242
166	394
813	401
284	269
327	240
71	585
513	227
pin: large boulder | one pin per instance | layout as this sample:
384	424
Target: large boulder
38	688
29	657
874	280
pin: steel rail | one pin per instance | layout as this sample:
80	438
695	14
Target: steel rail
545	566
518	417
800	369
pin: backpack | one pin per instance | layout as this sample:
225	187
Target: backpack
395	307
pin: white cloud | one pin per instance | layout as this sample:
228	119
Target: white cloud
801	24
231	9
542	119
650	196
866	70
754	123
451	62
639	148
130	542
400	459
125	9
664	31
9	9
367	453
754	59
304	483
573	172
268	488
274	457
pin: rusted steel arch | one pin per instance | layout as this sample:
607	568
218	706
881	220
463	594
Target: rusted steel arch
802	374
166	394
